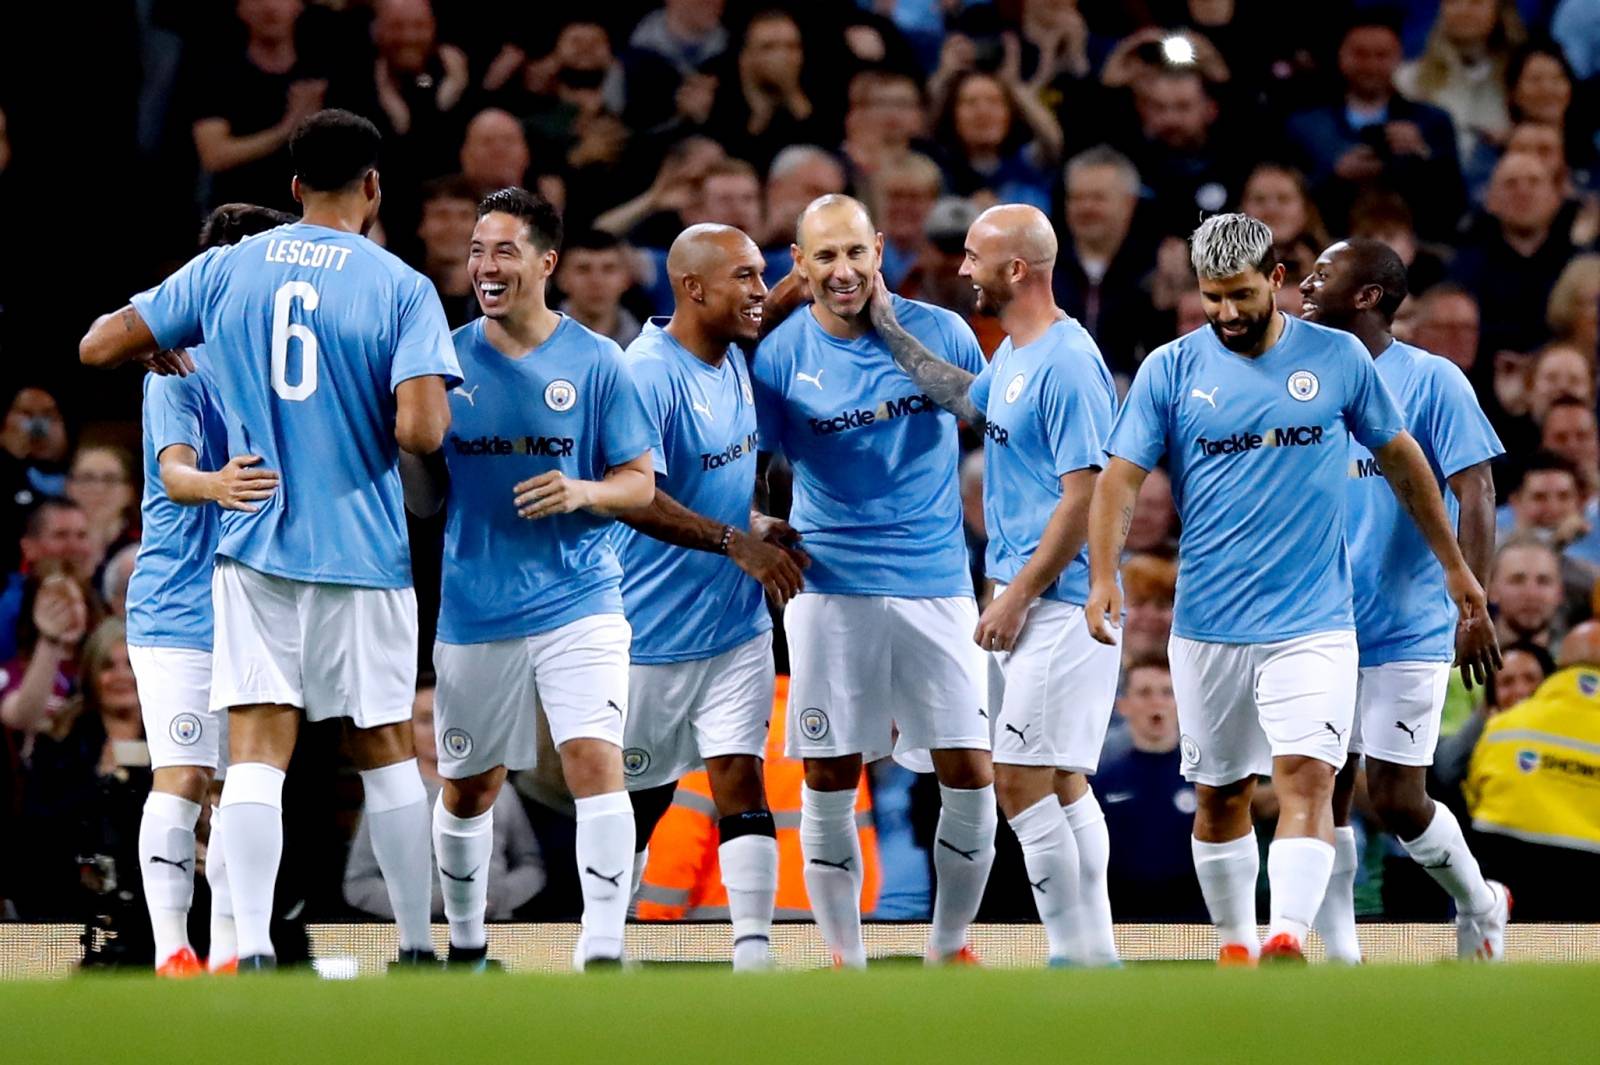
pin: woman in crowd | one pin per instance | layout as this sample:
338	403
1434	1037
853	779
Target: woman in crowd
103	483
1279	196
1573	312
1462	68
997	140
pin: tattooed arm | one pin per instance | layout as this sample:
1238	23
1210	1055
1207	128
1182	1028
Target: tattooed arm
945	383
122	336
1116	491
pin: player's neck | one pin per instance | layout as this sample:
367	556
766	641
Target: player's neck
345	214
841	328
1273	334
1374	335
687	332
517	334
1029	315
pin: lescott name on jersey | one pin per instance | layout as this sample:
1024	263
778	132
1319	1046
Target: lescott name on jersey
860	419
1239	443
306	253
735	451
556	447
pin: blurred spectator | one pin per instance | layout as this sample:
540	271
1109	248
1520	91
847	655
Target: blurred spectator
1576	25
246	105
904	192
516	868
114	580
1376	135
656	216
1542	89
995	139
593	275
669	51
56	530
33	453
39	680
1573	310
1447	324
935	278
1149	806
449	213
1186	162
1463	68
1383	215
728	193
977	533
885	118
1560	371
1526	593
580	76
1153	529
1149	587
1278	195
762	102
494	152
103	482
1513	254
799	174
1531	790
1524	666
1102	270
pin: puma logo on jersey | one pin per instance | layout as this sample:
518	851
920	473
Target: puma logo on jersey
700	408
1211	398
817	380
466	393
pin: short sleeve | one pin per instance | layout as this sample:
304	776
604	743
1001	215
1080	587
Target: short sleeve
654	383
1459	433
1077	412
176	413
978	391
423	347
766	384
175	309
1139	433
1370	412
626	431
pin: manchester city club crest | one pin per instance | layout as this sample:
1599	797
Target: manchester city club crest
1304	386
457	743
1014	389
635	760
185	730
1191	751
560	395
813	723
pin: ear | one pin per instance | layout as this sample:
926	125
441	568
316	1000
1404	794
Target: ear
369	184
1369	297
296	190
1275	279
550	258
878	246
694	288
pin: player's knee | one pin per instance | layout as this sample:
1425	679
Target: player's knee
1296	777
591	767
833	774
1399	796
963	769
736	784
374	748
1016	788
474	795
185	781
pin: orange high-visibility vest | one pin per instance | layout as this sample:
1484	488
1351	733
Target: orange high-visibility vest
683	879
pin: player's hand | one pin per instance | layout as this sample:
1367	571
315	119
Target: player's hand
174	363
772	566
1001	622
239	486
1477	647
880	307
59	611
551	493
1103	613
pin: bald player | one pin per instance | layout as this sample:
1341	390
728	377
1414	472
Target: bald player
1045	404
1406	628
694	564
878	639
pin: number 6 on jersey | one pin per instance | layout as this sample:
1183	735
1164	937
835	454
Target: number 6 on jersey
282	330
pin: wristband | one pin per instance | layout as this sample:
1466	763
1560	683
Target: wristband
727	538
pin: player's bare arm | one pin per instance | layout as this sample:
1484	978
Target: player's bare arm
1475	533
1116	491
240	485
422	414
425	479
123	336
626	487
1063	538
945	383
1409	476
775	568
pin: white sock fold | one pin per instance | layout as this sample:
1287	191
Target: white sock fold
166	859
252	809
1093	913
832	852
1442	850
397	814
1297	871
605	855
1336	920
1227	874
750	874
1050	853
963	854
464	848
224	940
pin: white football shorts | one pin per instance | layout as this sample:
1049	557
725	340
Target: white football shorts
180	728
1398	709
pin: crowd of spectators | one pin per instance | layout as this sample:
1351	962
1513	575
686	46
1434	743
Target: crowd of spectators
1465	134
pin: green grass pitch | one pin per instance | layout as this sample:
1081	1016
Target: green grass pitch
1147	1014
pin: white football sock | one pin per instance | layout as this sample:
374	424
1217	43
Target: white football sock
749	861
1297	871
1442	851
1093	914
252	808
1227	874
224	941
1050	853
832	852
397	814
464	847
1336	920
605	853
166	858
963	854
641	858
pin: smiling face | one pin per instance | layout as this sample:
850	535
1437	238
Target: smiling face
1543	91
1240	308
732	292
508	271
1519	676
1330	292
1526	588
987	266
982	118
839	254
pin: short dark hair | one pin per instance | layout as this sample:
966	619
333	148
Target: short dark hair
1543	461
592	240
232	222
1379	16
537	213
33	525
1155	659
453	187
1378	264
333	150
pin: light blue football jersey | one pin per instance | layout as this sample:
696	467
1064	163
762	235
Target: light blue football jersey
309	331
1048	407
569	405
875	490
1258	450
1403	613
685	604
169	594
